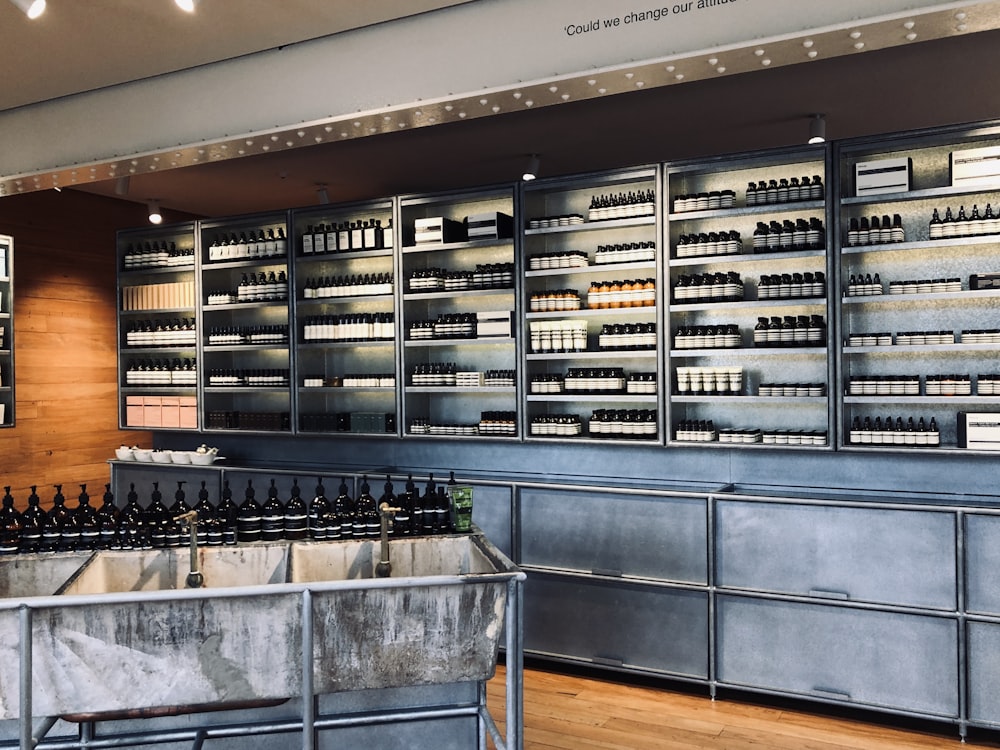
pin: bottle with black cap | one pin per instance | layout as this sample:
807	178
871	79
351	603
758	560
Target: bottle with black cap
33	521
66	521
389	497
272	526
156	518
228	515
367	509
416	507
175	529
107	521
249	520
131	521
429	504
11	525
341	523
86	515
296	514
209	528
53	522
319	507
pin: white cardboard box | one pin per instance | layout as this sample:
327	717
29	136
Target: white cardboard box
975	166
979	431
882	176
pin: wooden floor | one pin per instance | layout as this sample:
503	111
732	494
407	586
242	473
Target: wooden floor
581	713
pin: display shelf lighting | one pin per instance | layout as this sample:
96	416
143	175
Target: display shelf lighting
531	171
155	217
817	129
31	8
187	6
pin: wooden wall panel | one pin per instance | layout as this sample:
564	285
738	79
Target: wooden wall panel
65	342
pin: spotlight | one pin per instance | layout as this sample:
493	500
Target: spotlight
817	129
122	185
31	8
155	217
187	6
322	196
531	171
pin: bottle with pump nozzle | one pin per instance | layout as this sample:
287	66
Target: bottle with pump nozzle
249	520
52	533
389	498
296	514
416	507
403	522
429	504
341	513
107	521
367	511
175	529
11	526
319	508
33	521
272	516
131	521
442	512
157	518
228	515
86	515
209	530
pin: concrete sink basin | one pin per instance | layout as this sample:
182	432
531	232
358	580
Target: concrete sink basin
167	569
38	574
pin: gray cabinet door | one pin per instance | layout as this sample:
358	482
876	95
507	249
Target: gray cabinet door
878	659
982	560
491	512
984	672
896	557
663	538
617	624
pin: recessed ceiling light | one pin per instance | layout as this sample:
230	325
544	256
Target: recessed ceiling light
758	52
808	43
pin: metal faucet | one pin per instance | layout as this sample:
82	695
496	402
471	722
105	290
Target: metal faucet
195	579
386	513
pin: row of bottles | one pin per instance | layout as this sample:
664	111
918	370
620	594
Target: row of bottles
622	205
445	326
696	244
251	335
962	225
894	432
255	378
162	372
354	285
785	190
790	330
249	244
722	286
875	232
85	527
177	332
346	237
483	276
788	235
156	255
805	285
265	287
355	327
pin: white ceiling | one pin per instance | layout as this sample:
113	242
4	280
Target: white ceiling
79	45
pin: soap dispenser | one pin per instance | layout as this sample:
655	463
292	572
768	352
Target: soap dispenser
248	521
429	504
272	516
86	516
228	514
209	530
411	500
157	518
367	512
11	525
107	521
319	507
296	516
175	529
33	521
52	533
131	522
341	513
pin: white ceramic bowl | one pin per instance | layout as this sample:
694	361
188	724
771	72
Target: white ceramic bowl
180	457
143	454
161	457
124	454
203	459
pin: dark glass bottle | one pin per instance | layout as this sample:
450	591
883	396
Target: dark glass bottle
429	505
296	515
131	522
248	521
157	518
389	497
319	508
366	511
107	521
228	514
342	510
33	520
86	516
442	522
209	529
52	533
407	500
11	526
273	516
176	533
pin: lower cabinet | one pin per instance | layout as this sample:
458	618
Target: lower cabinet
984	672
617	623
871	658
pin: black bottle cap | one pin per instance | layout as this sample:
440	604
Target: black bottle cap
109	498
203	493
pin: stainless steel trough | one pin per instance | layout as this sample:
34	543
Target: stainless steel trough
274	621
